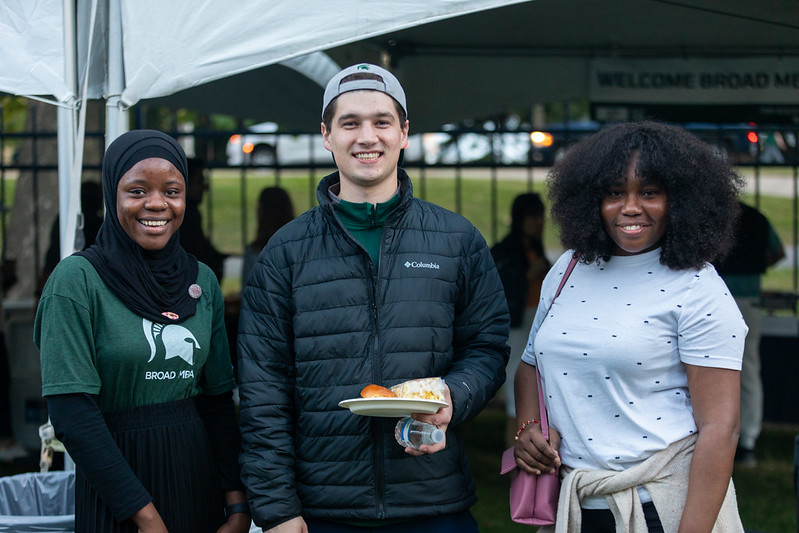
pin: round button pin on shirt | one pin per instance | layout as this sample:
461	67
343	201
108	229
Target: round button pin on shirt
195	291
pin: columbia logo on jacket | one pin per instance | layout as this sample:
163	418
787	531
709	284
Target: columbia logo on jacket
416	264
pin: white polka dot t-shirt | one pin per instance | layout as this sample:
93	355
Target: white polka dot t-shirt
611	354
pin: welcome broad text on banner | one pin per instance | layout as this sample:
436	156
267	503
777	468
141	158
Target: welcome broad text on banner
695	81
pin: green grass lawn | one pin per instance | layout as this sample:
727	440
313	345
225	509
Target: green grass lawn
475	198
230	206
234	205
484	202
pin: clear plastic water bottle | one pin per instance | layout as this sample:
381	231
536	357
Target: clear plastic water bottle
410	432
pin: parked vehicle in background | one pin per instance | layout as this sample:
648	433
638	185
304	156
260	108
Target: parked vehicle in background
551	143
738	143
749	143
478	147
263	145
536	148
777	146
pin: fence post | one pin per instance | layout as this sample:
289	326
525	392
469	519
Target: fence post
796	477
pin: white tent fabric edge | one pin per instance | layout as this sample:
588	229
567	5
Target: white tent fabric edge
158	61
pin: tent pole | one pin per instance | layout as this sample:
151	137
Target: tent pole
67	131
116	119
66	128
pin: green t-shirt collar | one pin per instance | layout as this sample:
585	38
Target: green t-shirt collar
365	215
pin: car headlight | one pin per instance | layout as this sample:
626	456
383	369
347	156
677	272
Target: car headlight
541	139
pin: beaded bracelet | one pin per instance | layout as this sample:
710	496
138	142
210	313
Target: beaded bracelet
521	428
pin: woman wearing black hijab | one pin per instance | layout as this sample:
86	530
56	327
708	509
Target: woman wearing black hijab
135	362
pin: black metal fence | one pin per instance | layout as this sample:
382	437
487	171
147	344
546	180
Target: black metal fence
456	154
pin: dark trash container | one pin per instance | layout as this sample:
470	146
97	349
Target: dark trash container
40	502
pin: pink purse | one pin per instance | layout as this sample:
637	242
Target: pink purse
534	498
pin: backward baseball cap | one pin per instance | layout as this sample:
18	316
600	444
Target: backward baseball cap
388	84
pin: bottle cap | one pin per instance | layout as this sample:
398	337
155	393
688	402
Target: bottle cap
437	435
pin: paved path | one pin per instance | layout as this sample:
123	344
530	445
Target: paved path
772	182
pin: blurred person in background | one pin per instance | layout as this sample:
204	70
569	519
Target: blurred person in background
91	203
757	247
192	237
522	265
274	211
10	448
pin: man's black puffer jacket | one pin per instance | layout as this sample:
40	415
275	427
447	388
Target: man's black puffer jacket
319	322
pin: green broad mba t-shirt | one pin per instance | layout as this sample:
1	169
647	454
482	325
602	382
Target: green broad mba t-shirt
91	343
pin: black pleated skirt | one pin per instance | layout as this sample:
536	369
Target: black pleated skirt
167	447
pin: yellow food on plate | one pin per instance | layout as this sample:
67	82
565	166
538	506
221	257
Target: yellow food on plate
376	391
423	389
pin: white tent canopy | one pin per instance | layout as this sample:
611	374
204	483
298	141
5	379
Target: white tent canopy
140	49
170	46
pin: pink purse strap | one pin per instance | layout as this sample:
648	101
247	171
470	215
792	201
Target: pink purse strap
541	405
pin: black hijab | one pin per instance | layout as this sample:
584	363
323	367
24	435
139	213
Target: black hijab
153	284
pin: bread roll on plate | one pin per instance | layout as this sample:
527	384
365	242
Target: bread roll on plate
376	391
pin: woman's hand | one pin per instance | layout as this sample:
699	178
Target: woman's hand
236	523
534	454
148	520
441	420
295	525
715	398
532	451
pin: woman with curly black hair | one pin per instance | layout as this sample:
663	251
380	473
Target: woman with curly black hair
640	353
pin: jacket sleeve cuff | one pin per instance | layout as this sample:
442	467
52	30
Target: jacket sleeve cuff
460	394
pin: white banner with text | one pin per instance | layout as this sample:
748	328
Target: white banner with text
769	80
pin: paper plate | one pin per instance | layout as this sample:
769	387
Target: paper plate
391	407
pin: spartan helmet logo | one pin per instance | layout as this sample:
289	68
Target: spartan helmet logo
171	340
